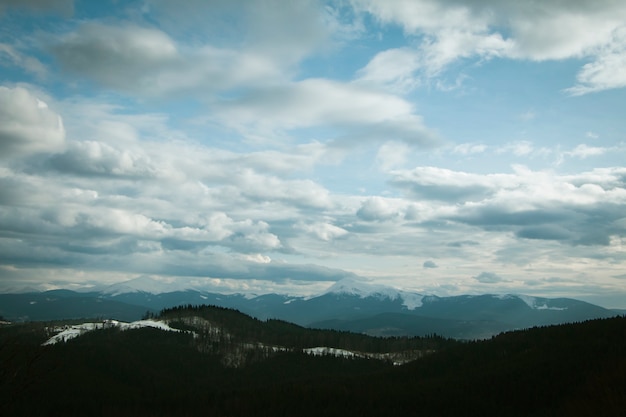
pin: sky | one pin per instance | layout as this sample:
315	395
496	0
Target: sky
438	146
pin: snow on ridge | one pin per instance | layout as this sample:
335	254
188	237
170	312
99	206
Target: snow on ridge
364	289
397	358
71	332
322	351
535	303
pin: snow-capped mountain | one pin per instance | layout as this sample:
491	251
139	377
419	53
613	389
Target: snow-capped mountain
346	305
361	289
150	285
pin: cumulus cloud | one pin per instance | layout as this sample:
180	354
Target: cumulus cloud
430	264
365	113
453	30
287	32
444	184
27	124
584	151
102	159
149	62
394	68
240	140
378	209
582	209
488	278
323	231
605	72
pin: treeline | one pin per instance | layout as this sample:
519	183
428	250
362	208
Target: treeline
244	328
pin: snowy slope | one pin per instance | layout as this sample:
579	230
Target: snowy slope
70	332
362	289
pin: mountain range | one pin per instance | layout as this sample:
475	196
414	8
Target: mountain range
347	305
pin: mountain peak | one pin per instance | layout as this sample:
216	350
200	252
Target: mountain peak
350	286
143	283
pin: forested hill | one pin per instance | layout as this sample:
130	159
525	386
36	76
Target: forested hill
567	370
226	325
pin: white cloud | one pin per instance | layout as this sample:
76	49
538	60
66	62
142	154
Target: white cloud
228	139
584	151
323	230
378	209
98	158
444	184
520	148
449	32
469	148
27	124
453	30
392	155
285	31
394	68
10	56
606	72
149	62
488	278
320	102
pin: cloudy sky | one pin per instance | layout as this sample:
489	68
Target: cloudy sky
441	146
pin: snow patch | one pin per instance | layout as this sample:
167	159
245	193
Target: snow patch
70	332
411	300
322	351
545	307
538	304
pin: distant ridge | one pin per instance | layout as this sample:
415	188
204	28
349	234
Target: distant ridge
347	305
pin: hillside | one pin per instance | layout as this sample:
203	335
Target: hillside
575	369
